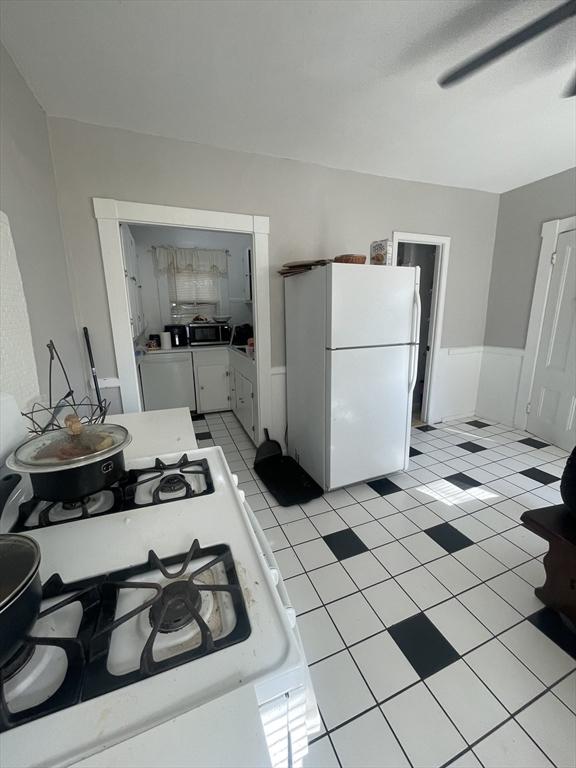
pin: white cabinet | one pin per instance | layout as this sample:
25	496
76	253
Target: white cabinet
240	277
133	286
167	381
212	380
243	390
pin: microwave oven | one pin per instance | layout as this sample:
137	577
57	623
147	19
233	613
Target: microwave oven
209	333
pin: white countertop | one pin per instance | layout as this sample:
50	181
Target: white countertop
186	349
157	432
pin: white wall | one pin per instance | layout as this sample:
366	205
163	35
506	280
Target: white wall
314	212
28	198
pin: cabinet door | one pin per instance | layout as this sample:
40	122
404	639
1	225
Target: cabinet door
212	381
167	381
245	402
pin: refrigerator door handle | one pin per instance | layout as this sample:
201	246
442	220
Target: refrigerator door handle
413	366
418	307
415	337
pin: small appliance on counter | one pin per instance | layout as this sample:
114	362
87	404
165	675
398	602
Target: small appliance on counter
178	335
209	333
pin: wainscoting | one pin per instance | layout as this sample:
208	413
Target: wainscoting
498	385
456	386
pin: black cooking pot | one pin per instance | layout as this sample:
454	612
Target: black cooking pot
68	465
20	591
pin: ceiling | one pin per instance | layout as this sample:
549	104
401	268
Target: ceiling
347	84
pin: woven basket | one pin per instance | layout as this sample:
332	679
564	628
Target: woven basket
350	258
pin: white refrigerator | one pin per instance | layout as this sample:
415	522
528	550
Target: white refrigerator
351	362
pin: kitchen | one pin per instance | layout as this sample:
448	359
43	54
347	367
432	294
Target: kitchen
173	611
191	314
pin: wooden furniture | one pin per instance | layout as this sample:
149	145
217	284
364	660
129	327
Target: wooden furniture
558	526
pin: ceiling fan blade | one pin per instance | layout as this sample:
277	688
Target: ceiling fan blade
570	89
523	35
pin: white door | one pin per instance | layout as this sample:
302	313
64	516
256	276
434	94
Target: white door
552	414
212	392
371	305
368	409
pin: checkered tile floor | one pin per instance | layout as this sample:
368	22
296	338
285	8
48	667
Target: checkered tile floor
415	601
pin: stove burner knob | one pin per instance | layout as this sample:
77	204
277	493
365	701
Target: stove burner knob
235	479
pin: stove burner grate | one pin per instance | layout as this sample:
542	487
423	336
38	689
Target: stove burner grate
177	607
17	661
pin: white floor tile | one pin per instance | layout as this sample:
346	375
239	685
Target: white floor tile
390	602
553	727
328	522
383	665
566	691
314	554
316	506
288	514
276	538
257	501
423	587
527	541
473	528
379	507
470	705
423	729
423	547
302	593
508	679
266	518
402	500
504	551
354	618
490	609
546	660
532	572
321	755
339	498
458	626
395	558
361	492
300	531
332	582
517	592
365	569
509	746
373	534
494	519
479	562
288	563
399	525
368	742
452	574
355	514
423	517
319	635
340	690
444	510
467	760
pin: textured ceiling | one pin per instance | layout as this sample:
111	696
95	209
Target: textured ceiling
344	84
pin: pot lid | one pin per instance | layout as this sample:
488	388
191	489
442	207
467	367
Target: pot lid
70	447
19	561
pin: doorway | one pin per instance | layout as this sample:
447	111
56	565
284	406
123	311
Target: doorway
110	215
431	254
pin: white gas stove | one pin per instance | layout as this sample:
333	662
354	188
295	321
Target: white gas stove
162	604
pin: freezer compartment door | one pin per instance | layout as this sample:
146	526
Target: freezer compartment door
368	412
371	305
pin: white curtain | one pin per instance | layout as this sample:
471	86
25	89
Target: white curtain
193	273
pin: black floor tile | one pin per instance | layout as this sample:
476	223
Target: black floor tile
463	481
477	424
203	435
383	486
197	416
424	646
448	537
556	628
345	544
537	474
472	447
533	443
426	428
415	452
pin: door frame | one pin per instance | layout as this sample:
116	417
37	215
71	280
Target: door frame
110	214
442	243
550	232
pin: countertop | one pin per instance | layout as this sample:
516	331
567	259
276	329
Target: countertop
157	432
185	349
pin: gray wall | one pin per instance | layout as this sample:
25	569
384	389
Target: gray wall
315	212
28	197
516	250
